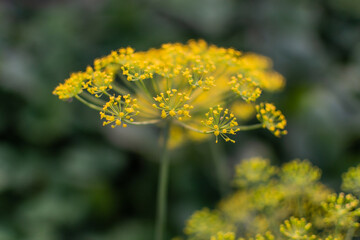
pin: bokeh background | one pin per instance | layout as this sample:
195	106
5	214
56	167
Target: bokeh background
64	176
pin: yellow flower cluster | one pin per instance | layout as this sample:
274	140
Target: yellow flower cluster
253	171
266	197
297	229
299	173
342	210
72	86
221	122
223	236
245	88
278	207
98	82
203	223
242	110
136	71
179	83
253	66
119	111
351	180
173	104
271	118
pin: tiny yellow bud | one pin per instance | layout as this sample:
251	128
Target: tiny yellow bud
163	114
129	110
172	113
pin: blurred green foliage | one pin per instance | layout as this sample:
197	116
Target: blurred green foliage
289	204
63	176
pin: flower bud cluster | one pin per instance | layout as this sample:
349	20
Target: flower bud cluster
221	123
119	111
279	207
271	118
351	180
342	210
174	104
253	171
297	229
245	88
98	81
72	86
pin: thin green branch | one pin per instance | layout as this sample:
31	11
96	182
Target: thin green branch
93	99
93	106
145	122
249	127
118	89
191	128
242	128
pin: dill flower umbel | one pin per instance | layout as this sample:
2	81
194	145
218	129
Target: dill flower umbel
193	85
297	229
342	210
271	118
269	209
351	180
253	171
203	223
300	174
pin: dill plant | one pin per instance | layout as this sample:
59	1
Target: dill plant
201	89
286	203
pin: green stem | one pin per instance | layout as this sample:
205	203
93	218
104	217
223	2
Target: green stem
192	128
249	127
118	89
242	128
162	186
93	106
140	84
91	98
145	122
155	86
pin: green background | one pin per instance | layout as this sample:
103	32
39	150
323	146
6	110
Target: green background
64	176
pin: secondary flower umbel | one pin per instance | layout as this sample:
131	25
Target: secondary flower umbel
193	85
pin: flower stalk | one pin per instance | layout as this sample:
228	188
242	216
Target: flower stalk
162	186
